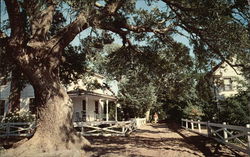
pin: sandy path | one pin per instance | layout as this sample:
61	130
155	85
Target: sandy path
157	140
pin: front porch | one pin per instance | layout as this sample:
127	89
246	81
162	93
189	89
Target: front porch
91	107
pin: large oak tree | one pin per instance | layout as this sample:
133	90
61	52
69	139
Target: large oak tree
216	29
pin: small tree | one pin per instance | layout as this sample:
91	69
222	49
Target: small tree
234	110
136	98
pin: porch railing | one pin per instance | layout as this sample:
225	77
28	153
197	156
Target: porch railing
237	137
24	129
105	128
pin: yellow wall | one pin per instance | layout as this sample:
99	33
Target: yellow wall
225	71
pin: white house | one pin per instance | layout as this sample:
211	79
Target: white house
227	80
89	104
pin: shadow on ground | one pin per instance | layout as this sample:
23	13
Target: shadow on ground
154	140
207	146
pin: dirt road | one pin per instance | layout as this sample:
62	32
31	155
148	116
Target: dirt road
158	140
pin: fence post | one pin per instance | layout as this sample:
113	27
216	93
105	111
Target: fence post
82	130
199	126
208	129
137	122
225	132
186	124
248	139
123	129
192	124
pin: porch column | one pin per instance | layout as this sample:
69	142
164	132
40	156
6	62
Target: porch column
107	110
87	113
100	110
116	111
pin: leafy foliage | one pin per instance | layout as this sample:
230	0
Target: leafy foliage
193	112
235	110
148	78
72	69
151	57
18	116
135	97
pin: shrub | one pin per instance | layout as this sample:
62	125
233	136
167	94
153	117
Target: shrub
19	116
193	112
235	110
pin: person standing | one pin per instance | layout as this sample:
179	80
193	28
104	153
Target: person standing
155	117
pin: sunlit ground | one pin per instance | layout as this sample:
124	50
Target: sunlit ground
159	140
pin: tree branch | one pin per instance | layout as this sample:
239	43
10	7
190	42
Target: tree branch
15	17
213	48
140	29
112	6
68	33
177	5
41	21
199	32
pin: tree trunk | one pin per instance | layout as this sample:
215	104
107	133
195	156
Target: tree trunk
39	55
54	133
15	90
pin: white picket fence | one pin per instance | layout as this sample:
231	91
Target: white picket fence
105	128
95	128
139	121
24	129
237	137
109	128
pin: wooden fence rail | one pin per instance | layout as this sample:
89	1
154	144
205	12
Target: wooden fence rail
24	129
237	137
106	128
94	128
139	121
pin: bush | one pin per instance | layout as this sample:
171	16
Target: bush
19	116
193	112
235	110
210	110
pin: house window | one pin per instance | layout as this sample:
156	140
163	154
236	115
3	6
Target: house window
2	104
32	106
97	107
84	110
228	84
77	118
